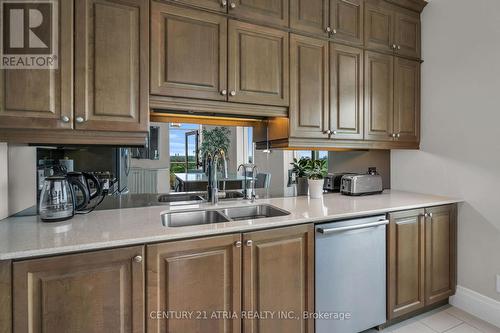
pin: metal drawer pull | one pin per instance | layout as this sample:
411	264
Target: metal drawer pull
353	227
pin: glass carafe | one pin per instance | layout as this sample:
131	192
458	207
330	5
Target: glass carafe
57	200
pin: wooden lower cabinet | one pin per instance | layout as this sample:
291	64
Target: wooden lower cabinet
440	253
278	276
200	275
90	292
406	250
5	297
421	258
271	270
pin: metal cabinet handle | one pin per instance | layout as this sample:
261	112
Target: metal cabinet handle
65	119
138	258
394	46
79	120
249	243
393	135
223	3
399	47
327	132
223	92
328	29
334	132
430	215
398	135
238	244
334	31
232	93
353	227
232	5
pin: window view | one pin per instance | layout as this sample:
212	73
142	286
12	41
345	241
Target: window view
184	146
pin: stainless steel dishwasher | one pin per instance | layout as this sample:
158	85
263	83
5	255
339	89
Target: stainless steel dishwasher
351	275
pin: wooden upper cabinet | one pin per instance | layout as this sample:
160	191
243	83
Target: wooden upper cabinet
278	275
406	262
346	96
273	12
258	64
310	16
379	27
407	100
91	292
441	256
188	53
215	5
42	98
309	101
346	20
112	57
195	275
407	33
379	96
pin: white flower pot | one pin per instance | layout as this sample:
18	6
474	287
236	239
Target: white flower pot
316	188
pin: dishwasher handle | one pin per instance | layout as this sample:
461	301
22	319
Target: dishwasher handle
353	227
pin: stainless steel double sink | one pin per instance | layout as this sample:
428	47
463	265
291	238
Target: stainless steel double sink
184	219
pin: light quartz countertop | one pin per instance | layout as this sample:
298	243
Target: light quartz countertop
26	237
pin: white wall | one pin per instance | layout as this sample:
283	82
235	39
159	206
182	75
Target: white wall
4	190
460	150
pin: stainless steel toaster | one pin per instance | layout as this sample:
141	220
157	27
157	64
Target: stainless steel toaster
361	184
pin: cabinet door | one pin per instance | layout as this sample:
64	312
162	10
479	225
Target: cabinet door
309	91
273	12
5	297
346	18
379	27
112	57
278	275
407	100
309	16
91	292
42	98
406	250
188	53
407	33
379	92
346	81
202	275
258	64
215	5
441	256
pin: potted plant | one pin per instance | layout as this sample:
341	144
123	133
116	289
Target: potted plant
300	172
214	140
316	172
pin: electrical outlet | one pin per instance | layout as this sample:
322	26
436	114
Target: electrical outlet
498	283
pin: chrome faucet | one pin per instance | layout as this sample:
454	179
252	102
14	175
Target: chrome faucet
249	195
212	162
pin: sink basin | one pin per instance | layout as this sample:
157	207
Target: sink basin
180	198
184	219
253	212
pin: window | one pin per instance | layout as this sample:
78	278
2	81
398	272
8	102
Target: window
312	154
183	141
